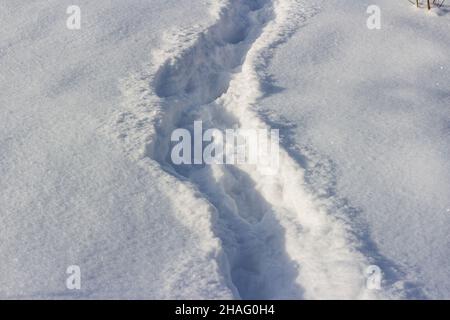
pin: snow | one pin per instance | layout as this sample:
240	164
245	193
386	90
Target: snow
69	196
370	111
86	119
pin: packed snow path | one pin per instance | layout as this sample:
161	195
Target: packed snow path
276	239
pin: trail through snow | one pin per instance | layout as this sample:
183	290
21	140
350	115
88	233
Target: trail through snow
276	239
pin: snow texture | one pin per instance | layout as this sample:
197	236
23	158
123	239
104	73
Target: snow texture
87	178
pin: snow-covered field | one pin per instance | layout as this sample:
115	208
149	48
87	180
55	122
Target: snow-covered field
358	208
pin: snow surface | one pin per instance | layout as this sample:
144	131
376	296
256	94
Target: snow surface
69	196
86	118
370	112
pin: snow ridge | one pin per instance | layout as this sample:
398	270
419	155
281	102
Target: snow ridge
270	237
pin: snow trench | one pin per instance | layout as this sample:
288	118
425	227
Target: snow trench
276	239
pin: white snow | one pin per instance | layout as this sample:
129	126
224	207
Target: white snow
85	123
370	111
68	195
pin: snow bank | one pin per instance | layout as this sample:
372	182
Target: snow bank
369	115
69	196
